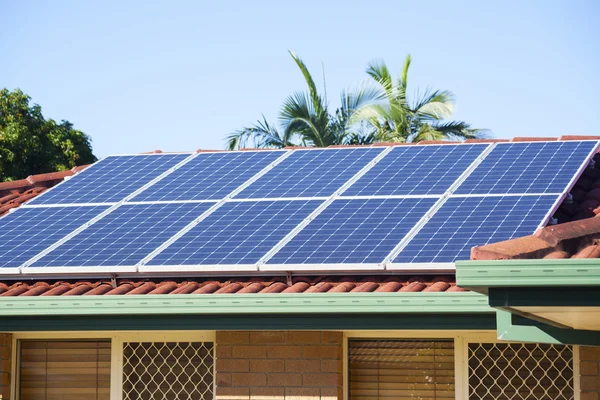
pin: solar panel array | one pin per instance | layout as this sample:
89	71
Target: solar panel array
319	209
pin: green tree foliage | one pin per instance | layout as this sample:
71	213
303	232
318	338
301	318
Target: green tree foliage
31	144
378	111
305	119
398	119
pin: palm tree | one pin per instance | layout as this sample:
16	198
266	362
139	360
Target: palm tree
305	119
401	120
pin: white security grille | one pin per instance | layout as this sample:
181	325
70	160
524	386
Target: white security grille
521	371
167	370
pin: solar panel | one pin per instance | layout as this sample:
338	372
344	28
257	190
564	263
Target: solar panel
27	231
236	233
354	231
311	173
537	167
417	170
125	236
509	194
210	176
110	180
464	222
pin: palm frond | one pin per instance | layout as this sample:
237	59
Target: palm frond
435	105
379	72
317	101
403	81
261	135
297	116
426	132
460	130
358	96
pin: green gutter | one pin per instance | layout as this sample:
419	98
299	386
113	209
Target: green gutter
239	304
480	275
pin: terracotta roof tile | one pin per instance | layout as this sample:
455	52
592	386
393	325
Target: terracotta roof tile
487	140
578	137
576	239
534	139
568	239
318	284
15	193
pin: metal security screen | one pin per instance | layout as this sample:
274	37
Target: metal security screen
167	370
401	369
502	371
59	370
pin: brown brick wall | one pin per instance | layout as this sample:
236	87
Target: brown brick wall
296	365
589	369
5	357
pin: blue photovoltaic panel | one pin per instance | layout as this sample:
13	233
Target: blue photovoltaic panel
311	173
354	231
465	222
236	233
111	180
417	170
210	176
27	231
536	167
125	236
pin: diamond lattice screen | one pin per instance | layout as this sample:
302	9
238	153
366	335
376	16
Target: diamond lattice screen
523	371
167	371
401	369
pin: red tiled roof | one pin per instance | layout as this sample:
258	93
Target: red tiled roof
578	239
321	284
15	193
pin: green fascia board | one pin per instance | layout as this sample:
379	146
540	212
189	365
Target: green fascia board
509	329
480	275
312	321
238	304
582	296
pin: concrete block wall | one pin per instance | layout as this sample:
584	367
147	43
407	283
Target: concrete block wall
274	365
589	369
5	357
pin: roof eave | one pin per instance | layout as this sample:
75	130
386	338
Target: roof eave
240	304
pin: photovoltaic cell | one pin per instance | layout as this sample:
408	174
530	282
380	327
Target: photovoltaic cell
465	222
125	236
27	231
311	173
536	167
236	233
210	176
354	231
110	180
417	170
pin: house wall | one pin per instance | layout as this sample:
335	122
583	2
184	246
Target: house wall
5	357
298	365
589	368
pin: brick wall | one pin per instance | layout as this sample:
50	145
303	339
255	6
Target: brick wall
589	368
296	365
5	356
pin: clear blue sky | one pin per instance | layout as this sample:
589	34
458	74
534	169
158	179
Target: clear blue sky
143	75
